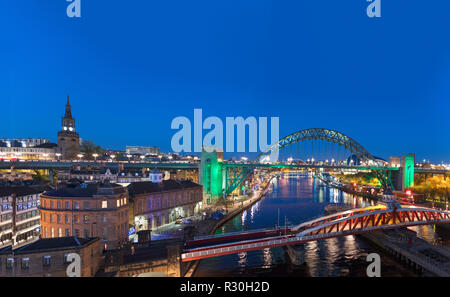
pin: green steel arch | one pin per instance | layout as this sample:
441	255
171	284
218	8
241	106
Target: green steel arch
336	137
322	134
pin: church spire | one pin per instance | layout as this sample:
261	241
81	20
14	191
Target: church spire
68	113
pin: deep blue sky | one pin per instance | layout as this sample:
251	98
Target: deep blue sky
130	67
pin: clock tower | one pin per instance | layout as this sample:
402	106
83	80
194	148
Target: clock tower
68	139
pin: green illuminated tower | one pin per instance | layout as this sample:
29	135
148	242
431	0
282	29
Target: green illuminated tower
211	171
407	171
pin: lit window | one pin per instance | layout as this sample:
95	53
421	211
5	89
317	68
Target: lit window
104	204
118	202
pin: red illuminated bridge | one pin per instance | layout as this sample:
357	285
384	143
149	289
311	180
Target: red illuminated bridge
356	221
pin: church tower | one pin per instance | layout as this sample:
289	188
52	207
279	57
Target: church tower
68	139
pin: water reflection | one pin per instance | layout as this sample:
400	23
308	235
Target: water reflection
298	199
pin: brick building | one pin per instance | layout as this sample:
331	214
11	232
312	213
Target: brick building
157	204
48	257
86	210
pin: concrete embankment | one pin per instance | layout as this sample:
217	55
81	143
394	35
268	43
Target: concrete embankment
414	252
244	205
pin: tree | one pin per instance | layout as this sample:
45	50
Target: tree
224	203
88	148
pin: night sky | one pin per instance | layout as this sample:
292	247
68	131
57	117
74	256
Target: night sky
130	67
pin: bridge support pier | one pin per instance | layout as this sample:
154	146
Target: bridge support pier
211	173
174	261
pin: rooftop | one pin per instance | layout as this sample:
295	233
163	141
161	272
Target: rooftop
86	189
22	190
166	185
45	244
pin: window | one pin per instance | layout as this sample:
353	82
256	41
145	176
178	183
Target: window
9	263
66	260
118	203
105	233
60	232
86	219
59	204
66	219
46	261
51	204
67	233
25	263
53	232
66	204
86	233
45	216
51	218
77	205
104	218
75	219
77	233
58	219
86	205
105	204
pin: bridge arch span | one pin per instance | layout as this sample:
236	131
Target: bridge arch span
322	134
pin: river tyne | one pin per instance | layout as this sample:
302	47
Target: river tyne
297	199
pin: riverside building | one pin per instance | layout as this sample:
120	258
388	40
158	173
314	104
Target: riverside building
86	210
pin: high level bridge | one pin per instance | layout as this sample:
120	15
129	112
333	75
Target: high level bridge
310	149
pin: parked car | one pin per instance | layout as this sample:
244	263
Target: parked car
218	215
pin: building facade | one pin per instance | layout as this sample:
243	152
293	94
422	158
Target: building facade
68	139
27	153
23	204
142	150
49	257
157	204
86	210
91	174
23	142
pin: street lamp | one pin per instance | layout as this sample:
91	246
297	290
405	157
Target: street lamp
58	155
95	156
45	156
80	156
112	157
244	159
129	156
142	157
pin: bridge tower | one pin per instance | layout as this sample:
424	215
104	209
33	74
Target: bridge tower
407	168
404	177
211	177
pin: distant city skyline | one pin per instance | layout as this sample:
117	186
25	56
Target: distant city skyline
130	69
